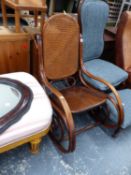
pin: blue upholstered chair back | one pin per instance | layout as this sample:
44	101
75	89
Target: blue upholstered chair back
94	15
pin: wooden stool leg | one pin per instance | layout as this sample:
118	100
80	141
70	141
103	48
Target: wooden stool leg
17	21
36	18
4	13
42	20
35	145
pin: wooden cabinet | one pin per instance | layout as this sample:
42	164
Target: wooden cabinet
14	51
34	61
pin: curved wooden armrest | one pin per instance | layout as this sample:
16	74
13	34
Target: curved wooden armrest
112	88
67	117
62	100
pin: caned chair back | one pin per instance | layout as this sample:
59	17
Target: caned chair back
61	46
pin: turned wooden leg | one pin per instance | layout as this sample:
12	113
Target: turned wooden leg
116	132
17	21
4	13
36	18
42	20
35	145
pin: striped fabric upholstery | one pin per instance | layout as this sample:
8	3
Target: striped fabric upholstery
106	71
37	119
94	15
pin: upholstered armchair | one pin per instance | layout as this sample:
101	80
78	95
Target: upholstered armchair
101	74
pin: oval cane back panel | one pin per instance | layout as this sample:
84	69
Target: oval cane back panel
60	46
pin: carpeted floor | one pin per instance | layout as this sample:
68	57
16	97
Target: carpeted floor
96	153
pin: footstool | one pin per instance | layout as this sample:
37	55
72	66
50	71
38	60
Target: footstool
35	123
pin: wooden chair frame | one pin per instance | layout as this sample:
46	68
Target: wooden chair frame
65	114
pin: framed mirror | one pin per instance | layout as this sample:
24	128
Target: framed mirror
15	101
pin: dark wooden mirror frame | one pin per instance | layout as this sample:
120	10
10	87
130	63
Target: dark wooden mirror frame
21	108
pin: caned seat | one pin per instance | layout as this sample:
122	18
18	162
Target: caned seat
35	123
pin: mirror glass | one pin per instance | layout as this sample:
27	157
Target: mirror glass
9	98
15	101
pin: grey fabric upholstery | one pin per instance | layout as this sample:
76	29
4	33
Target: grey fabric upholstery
106	71
126	102
94	15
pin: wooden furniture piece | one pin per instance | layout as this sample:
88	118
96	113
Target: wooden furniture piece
123	44
31	5
34	61
14	51
60	61
35	124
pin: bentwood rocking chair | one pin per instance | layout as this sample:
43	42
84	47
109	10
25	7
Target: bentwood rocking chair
101	74
60	61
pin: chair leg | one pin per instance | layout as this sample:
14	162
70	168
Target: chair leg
116	132
4	14
36	18
17	21
35	144
42	20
